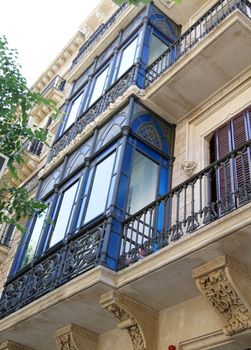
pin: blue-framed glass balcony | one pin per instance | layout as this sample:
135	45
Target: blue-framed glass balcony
121	65
93	190
201	60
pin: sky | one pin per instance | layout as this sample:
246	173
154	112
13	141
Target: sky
39	29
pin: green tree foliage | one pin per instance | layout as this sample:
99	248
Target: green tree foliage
16	102
137	2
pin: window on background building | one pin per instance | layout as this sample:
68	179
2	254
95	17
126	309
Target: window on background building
157	48
143	183
99	85
128	57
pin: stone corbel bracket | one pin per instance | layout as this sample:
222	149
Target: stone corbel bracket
10	345
227	286
138	320
73	337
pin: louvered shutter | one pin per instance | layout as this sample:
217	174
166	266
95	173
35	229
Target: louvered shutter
240	136
233	175
223	176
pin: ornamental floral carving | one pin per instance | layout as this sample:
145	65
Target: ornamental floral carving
65	342
132	317
130	325
73	337
223	291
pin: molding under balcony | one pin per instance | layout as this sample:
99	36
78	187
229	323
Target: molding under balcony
203	69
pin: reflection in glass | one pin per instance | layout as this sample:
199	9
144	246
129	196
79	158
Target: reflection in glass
157	47
100	188
64	214
143	183
35	237
99	86
128	57
73	112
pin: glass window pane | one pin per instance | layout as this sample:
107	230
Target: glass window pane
73	112
99	86
64	214
143	183
128	57
100	188
157	47
34	237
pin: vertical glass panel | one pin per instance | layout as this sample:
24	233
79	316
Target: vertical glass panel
143	183
99	86
157	47
100	188
34	237
64	214
73	112
128	57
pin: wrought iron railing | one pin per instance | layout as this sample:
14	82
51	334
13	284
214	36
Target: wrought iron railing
6	235
57	83
115	91
209	21
65	261
98	34
215	191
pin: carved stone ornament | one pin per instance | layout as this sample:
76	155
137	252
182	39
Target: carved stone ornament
73	337
138	320
227	286
10	345
189	167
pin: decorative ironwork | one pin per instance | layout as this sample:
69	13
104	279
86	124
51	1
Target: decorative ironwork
188	207
57	83
98	34
69	259
208	22
94	111
149	133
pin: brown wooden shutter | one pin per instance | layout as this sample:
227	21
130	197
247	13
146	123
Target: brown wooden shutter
223	178
240	136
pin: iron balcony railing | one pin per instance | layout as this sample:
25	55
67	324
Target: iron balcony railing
208	22
98	34
57	83
222	187
65	261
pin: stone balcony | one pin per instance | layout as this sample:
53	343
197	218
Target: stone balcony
201	61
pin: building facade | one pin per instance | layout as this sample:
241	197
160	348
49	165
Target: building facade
145	241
